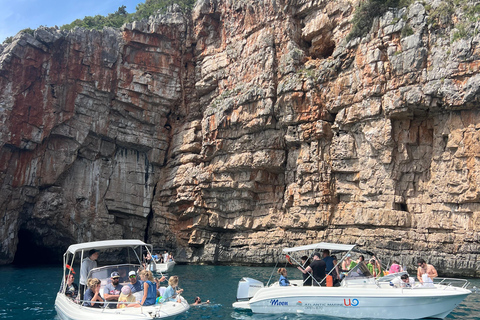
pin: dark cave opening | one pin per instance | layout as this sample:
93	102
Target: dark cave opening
30	252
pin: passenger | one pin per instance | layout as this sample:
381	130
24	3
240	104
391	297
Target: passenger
375	267
170	257
353	264
395	267
112	291
401	282
346	263
317	269
92	295
165	257
198	301
71	289
149	288
135	284
127	296
428	269
307	278
172	290
283	277
331	263
88	264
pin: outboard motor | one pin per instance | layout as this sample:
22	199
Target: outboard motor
247	287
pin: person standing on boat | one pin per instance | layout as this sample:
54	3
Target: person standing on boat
88	264
331	263
112	290
317	269
307	278
424	268
283	281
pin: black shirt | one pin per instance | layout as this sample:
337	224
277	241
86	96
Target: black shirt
318	270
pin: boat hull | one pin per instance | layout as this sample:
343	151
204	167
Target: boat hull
68	310
163	267
395	303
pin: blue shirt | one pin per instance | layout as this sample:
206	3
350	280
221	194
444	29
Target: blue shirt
88	297
168	295
283	281
151	293
329	262
137	287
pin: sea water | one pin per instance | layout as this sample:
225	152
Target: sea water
29	293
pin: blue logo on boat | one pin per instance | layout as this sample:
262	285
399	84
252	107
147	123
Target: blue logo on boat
275	302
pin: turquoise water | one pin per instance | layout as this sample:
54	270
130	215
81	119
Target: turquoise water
29	293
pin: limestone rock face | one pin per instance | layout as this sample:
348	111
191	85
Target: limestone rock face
244	127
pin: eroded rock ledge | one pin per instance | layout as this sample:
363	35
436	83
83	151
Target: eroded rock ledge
245	127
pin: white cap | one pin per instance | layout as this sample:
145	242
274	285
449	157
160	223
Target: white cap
132	273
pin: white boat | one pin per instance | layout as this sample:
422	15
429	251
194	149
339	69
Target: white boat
359	295
69	309
161	267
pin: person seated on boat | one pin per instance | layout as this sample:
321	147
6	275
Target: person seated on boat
317	269
71	288
88	264
361	258
332	267
401	282
123	275
375	267
112	290
395	267
135	284
307	277
127	297
346	263
428	269
170	257
149	288
92	295
283	281
172	291
198	302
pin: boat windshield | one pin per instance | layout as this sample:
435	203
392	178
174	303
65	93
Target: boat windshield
104	273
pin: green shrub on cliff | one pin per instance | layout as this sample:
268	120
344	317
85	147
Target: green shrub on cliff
121	16
367	11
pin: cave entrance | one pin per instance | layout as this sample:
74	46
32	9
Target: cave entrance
31	252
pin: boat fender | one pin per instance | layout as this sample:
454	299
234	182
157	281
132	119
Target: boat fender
329	281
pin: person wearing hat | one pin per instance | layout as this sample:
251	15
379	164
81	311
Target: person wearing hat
135	284
88	264
112	290
127	297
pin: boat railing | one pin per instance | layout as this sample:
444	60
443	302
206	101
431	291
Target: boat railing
452	282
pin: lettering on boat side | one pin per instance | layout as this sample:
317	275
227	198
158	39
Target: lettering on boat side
275	302
350	303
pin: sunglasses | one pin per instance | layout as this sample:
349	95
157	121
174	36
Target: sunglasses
132	276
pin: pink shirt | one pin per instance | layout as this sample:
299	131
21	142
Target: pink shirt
394	268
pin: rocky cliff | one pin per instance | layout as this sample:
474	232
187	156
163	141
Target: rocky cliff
245	126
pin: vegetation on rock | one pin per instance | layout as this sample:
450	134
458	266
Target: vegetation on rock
121	16
369	10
